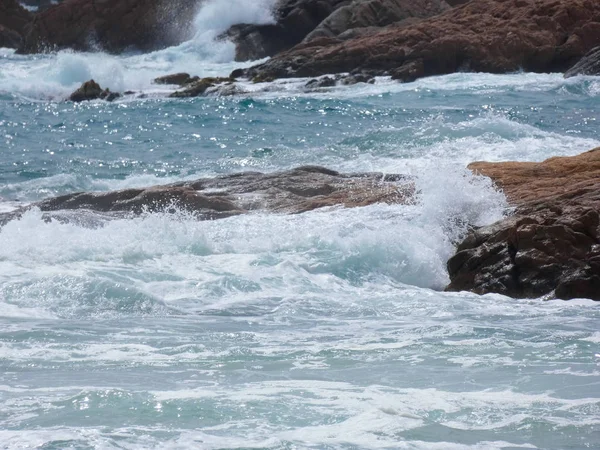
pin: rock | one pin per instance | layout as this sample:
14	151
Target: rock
550	246
357	78
90	90
496	36
293	191
588	65
294	20
374	13
200	87
110	25
13	21
180	79
320	83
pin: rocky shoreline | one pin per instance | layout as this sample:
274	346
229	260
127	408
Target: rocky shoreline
548	247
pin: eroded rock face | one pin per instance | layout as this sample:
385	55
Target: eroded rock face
494	36
588	65
294	20
13	20
374	13
551	243
294	191
110	25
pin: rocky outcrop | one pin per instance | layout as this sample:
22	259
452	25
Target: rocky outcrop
90	90
304	20
110	25
588	65
550	245
196	87
374	13
13	20
294	191
494	36
294	20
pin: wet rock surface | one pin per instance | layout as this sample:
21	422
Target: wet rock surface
13	21
90	90
110	25
495	36
550	245
588	65
294	191
305	20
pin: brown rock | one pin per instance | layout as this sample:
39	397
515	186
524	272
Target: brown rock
110	25
180	79
293	191
200	87
550	245
494	36
13	21
90	90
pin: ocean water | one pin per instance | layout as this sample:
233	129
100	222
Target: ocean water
325	330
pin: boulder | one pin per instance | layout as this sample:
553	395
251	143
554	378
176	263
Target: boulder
110	25
13	21
294	20
374	13
550	245
294	191
90	90
180	79
496	36
200	86
588	65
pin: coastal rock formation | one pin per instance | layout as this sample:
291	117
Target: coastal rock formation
90	90
110	25
293	191
374	13
588	65
304	20
494	36
550	245
294	20
13	20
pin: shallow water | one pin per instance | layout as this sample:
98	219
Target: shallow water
322	330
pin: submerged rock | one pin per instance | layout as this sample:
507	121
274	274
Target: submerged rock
90	90
588	65
200	87
550	245
180	79
496	36
293	191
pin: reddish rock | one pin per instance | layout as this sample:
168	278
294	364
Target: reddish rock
90	90
494	36
110	25
13	20
550	245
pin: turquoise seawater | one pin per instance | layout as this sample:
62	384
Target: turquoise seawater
325	330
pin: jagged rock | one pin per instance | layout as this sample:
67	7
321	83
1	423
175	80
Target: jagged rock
294	20
374	13
110	25
293	191
550	245
180	79
494	36
200	87
90	90
588	65
13	21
